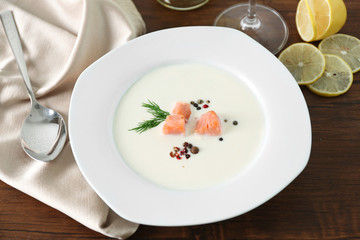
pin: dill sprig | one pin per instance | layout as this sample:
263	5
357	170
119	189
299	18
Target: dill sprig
159	116
155	110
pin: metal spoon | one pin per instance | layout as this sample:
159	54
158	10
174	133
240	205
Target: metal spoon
43	133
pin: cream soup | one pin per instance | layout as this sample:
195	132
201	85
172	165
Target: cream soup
218	161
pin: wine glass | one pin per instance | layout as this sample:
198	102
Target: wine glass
183	4
260	22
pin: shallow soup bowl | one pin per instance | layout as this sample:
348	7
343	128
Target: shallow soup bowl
281	157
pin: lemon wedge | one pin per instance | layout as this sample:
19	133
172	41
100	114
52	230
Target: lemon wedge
304	61
336	80
305	21
318	19
345	46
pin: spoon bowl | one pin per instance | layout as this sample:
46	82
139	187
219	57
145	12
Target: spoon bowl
43	133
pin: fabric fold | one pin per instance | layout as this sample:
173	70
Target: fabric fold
60	39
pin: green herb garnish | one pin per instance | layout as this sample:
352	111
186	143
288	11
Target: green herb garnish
159	116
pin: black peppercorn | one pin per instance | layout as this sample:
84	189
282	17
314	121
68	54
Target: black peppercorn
194	150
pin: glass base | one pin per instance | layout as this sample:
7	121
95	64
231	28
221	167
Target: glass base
268	27
183	5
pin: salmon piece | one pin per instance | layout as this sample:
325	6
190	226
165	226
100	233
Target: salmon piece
182	108
208	123
174	124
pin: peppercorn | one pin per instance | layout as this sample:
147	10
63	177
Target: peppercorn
207	101
235	123
185	144
220	139
200	101
194	150
198	108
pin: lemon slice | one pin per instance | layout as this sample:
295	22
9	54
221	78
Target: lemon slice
304	61
305	21
336	80
345	46
318	19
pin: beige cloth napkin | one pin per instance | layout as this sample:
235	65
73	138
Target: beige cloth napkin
60	39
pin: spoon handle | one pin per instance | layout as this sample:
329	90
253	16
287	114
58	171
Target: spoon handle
12	35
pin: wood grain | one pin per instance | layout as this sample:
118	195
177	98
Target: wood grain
322	203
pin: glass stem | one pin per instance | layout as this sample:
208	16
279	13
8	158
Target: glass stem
250	21
251	11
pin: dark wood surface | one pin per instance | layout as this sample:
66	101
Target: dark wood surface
322	203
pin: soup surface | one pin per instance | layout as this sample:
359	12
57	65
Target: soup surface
218	160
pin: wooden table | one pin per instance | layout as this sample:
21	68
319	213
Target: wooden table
322	203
